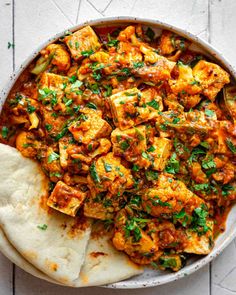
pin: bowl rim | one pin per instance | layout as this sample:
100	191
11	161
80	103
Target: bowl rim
162	25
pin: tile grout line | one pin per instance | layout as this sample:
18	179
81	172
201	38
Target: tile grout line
210	279
13	67
13	33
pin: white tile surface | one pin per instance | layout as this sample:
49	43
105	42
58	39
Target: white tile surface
31	22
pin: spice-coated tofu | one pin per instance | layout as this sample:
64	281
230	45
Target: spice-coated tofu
66	199
89	126
211	77
52	81
81	41
161	150
201	245
130	143
97	210
128	109
108	174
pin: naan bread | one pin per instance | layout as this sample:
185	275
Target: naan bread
10	252
53	242
103	263
54	252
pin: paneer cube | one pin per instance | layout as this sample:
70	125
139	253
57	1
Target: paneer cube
160	152
201	245
66	199
89	126
52	81
211	77
130	144
82	41
108	174
128	109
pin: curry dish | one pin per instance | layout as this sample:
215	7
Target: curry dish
135	130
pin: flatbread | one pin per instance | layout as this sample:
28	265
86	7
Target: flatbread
56	253
10	252
53	242
103	264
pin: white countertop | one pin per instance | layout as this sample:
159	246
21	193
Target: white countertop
28	23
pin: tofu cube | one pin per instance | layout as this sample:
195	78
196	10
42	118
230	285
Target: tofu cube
108	174
97	210
52	81
89	126
66	199
128	108
123	106
201	245
81	41
211	77
130	143
161	153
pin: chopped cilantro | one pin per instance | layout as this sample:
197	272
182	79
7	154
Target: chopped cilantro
194	82
168	262
136	200
157	201
208	162
97	76
5	132
126	71
107	203
230	145
93	173
138	64
42	227
10	45
151	175
87	53
72	79
209	113
145	155
124	145
151	149
76	84
91	105
199	221
150	33
131	228
113	43
226	188
135	168
108	91
201	187
175	120
139	134
94	88
173	165
154	104
48	127
30	108
53	157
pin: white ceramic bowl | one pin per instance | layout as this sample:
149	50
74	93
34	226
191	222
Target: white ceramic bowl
152	278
